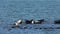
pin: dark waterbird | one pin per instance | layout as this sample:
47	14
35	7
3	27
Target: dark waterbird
34	21
39	21
28	21
16	24
57	21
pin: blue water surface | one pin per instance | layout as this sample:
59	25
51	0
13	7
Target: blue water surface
12	10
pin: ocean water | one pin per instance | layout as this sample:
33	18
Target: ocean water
12	10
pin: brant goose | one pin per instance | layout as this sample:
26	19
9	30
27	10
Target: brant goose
16	25
57	22
38	21
34	21
28	21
